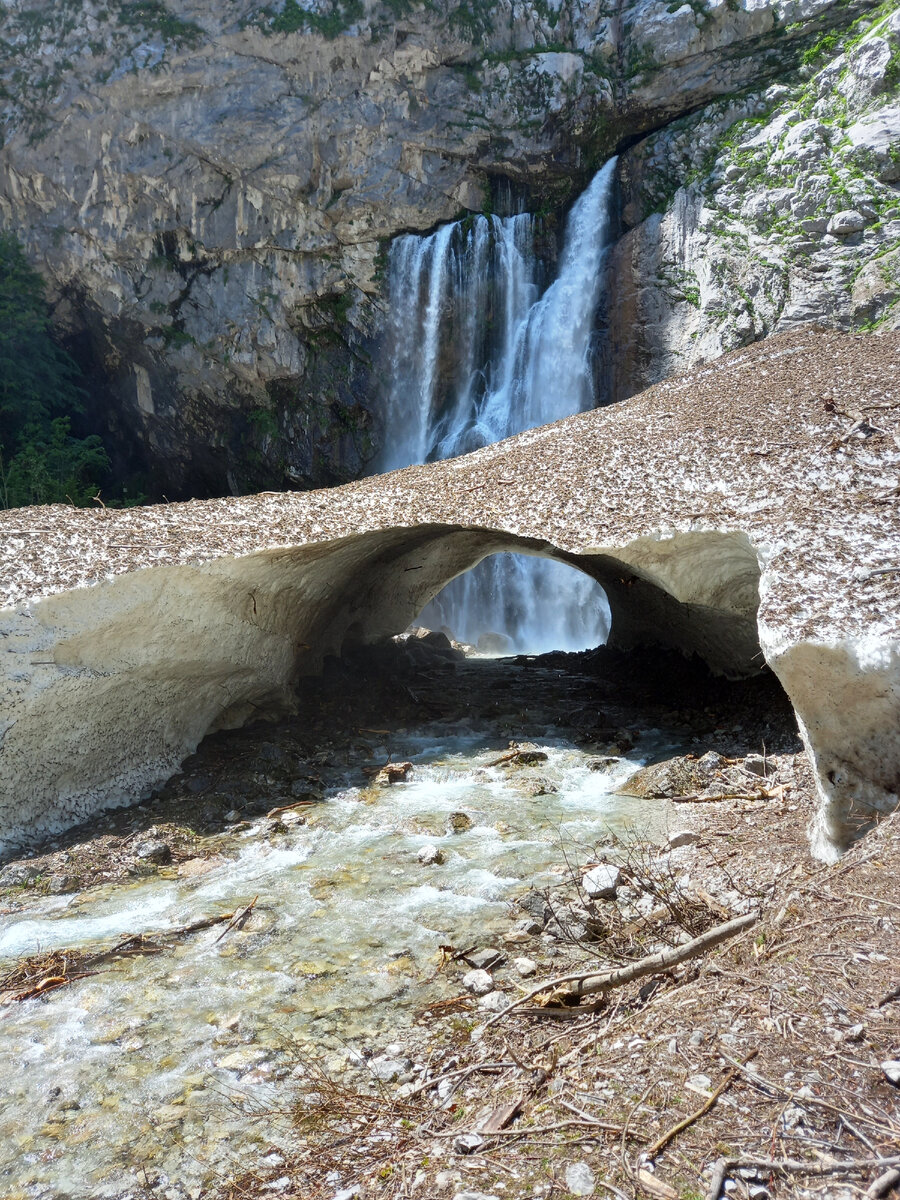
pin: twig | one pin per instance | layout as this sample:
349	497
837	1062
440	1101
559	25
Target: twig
881	571
608	1126
634	1134
875	900
860	1137
893	994
238	919
593	981
663	1141
609	1187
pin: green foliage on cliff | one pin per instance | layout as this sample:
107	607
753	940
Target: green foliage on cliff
330	20
40	461
155	17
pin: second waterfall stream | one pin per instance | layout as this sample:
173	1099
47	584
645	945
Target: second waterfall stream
476	351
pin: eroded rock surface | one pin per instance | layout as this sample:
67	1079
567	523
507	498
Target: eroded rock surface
746	512
763	211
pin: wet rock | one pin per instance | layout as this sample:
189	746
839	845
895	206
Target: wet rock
605	763
580	1179
458	822
601	882
155	851
525	966
393	773
241	1059
524	754
302	790
537	908
478	982
430	856
537	787
486	959
493	643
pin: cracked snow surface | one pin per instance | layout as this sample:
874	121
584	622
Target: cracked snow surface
776	467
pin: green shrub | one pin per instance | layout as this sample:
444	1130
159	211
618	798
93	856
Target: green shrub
40	461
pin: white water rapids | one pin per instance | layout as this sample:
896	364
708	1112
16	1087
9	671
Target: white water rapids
476	354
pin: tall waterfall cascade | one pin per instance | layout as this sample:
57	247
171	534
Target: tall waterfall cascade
478	350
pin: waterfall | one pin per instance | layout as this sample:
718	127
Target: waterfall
477	352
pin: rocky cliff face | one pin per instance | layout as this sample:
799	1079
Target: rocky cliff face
210	189
764	211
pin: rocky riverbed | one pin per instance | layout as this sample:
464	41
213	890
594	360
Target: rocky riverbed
304	927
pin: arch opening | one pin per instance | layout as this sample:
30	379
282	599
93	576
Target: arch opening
521	604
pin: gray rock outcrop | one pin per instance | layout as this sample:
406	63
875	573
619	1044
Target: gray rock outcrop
746	512
763	212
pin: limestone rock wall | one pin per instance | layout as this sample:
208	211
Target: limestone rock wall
209	188
764	211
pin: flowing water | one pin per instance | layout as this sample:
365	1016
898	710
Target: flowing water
477	353
136	1069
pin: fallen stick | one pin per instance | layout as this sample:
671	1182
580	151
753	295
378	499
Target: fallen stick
593	981
273	812
238	919
789	1166
662	1142
504	758
883	1184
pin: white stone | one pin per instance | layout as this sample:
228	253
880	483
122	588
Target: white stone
891	1070
479	982
430	856
468	1143
580	1179
601	882
493	1002
525	966
387	1069
847	222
